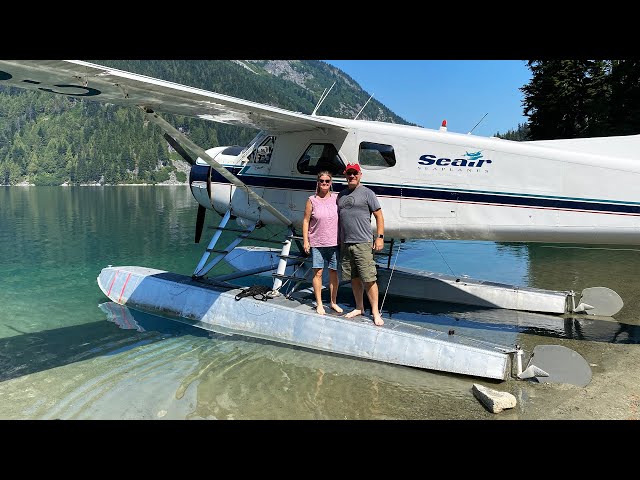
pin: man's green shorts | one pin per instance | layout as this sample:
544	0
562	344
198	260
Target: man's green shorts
357	261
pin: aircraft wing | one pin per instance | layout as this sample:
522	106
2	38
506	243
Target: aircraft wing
107	85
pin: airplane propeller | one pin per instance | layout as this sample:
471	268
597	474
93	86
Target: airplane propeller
200	222
201	210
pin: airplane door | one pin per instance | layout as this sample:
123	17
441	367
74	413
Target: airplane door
270	184
428	196
253	174
429	201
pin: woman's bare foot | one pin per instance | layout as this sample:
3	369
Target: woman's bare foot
336	307
378	320
353	313
320	309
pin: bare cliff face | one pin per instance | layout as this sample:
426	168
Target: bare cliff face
303	74
280	68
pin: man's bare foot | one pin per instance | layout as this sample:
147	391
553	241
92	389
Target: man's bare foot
353	313
378	320
336	307
320	309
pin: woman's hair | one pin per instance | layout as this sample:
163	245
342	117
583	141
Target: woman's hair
324	173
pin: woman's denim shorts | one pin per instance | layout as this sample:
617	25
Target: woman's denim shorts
322	255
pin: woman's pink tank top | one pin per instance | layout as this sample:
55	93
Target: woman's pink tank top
323	225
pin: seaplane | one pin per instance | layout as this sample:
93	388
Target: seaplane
432	184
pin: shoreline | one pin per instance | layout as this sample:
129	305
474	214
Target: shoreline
163	184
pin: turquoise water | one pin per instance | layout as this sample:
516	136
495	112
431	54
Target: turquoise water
62	355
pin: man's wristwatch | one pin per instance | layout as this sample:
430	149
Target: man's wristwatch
381	236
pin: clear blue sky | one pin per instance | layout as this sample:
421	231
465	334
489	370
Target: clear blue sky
425	92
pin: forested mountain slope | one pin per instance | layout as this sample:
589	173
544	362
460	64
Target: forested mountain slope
50	139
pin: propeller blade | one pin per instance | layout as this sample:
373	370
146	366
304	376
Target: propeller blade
200	222
178	148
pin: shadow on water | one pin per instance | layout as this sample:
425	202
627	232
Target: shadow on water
29	353
487	320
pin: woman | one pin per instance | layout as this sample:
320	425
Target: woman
320	235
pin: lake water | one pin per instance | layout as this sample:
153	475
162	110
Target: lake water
67	352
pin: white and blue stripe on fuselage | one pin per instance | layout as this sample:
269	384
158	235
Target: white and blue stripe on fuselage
434	211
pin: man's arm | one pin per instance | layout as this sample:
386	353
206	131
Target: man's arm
378	244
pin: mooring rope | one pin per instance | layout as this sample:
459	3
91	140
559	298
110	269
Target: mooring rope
255	291
390	275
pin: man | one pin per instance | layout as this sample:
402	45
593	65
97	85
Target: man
355	206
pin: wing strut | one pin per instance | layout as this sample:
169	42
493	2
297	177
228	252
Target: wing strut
176	134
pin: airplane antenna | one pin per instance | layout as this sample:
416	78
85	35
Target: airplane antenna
363	107
477	123
322	97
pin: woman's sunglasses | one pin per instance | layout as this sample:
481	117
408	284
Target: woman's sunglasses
324	181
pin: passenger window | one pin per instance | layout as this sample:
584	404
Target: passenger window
321	156
376	155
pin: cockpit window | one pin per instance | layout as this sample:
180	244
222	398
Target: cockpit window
376	155
321	156
262	154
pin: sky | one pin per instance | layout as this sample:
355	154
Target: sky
426	92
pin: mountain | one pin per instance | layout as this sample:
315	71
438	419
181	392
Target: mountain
52	139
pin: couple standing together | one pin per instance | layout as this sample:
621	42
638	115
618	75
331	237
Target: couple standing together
324	236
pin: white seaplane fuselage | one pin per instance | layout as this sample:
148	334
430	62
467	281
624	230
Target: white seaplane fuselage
439	184
448	185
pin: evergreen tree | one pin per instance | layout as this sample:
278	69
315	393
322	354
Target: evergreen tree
520	134
582	98
556	98
624	107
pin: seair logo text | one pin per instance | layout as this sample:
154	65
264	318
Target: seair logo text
472	163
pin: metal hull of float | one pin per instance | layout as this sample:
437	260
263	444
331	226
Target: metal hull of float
423	285
295	322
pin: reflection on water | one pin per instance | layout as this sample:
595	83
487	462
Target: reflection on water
63	357
488	323
576	267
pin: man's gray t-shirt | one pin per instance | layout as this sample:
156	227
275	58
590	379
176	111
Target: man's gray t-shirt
354	210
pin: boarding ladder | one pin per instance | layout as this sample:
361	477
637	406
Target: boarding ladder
280	278
203	268
286	257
